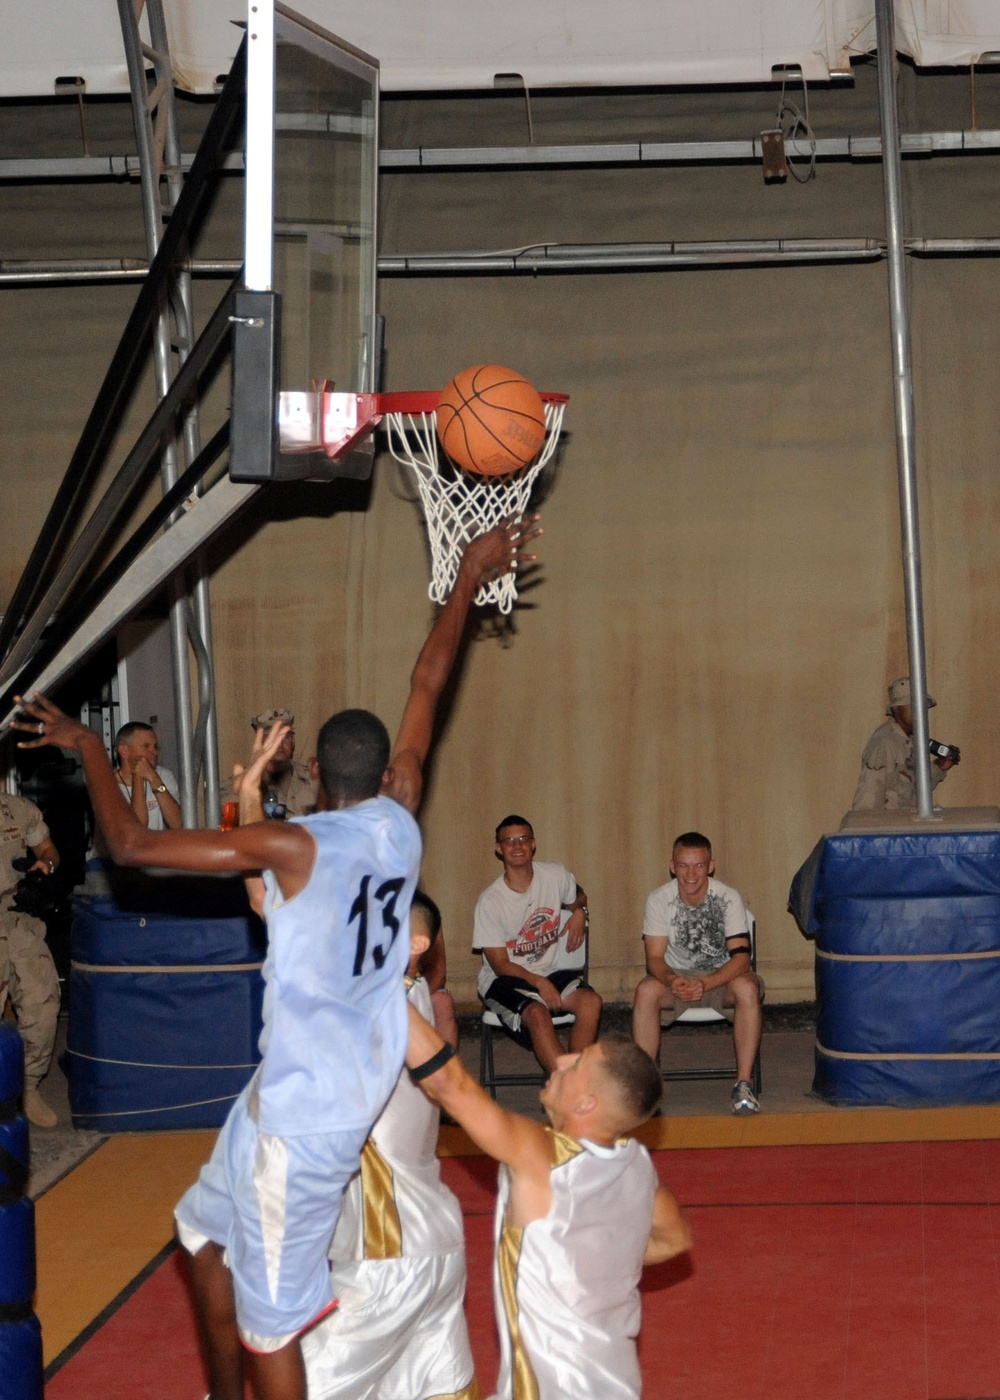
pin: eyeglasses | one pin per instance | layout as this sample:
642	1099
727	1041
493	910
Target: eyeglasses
516	840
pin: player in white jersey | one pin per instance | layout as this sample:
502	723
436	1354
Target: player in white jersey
398	1253
338	886
580	1211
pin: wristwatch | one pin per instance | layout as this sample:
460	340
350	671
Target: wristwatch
160	787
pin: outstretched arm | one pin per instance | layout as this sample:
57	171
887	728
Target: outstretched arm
520	1143
489	555
288	850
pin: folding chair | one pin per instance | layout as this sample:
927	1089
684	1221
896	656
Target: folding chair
490	1022
704	1014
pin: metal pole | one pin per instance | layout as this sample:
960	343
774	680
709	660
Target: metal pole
151	164
902	384
205	739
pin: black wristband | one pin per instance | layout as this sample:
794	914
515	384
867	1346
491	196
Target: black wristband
436	1062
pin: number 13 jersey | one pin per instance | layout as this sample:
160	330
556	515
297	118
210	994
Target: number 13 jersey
335	1025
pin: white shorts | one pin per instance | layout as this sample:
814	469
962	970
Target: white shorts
398	1333
273	1204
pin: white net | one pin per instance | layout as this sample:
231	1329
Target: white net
457	506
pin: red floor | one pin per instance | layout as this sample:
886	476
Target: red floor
833	1273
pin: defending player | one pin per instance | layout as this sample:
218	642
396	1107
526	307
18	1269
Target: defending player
579	1212
399	1330
259	1220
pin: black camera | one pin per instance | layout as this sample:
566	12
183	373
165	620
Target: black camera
939	750
274	810
36	893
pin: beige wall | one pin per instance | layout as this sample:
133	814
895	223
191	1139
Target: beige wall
719	607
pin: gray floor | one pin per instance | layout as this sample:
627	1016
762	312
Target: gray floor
786	1069
55	1151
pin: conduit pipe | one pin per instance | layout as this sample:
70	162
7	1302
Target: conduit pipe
902	392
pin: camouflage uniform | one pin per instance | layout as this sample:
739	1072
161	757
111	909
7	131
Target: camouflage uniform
886	782
27	972
294	787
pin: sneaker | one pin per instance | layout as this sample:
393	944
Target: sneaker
744	1098
37	1111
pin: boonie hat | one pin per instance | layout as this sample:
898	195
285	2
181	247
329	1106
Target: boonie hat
899	694
268	717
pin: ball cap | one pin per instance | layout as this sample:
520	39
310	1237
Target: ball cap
899	694
268	717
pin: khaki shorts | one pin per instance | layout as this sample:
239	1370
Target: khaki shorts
713	1000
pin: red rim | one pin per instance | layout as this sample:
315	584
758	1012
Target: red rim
426	401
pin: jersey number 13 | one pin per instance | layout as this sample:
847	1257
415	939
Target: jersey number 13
385	900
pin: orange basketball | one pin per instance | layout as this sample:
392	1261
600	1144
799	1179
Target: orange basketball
490	420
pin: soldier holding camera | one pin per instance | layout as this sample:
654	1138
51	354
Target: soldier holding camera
289	787
886	782
27	973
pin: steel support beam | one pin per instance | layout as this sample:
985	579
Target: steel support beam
150	573
132	473
89	455
151	148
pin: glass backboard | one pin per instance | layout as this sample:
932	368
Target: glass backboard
325	167
310	235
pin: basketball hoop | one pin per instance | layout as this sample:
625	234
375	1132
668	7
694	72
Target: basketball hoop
459	506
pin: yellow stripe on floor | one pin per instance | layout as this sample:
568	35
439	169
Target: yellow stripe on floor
102	1224
845	1125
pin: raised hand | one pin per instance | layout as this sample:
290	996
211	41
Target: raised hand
247	780
501	549
47	723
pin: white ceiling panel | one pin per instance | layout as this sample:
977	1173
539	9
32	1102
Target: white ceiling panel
448	44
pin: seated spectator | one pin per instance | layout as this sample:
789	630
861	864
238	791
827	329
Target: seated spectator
153	795
525	938
151	791
697	938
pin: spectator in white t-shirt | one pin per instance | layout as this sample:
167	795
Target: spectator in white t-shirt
151	791
528	924
697	938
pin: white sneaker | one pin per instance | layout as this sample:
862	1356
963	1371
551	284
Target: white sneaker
37	1111
744	1098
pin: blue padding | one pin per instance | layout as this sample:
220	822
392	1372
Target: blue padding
13	1141
923	906
11	1064
107	1099
909	1008
906	1083
921	865
160	1050
21	1372
179	895
105	935
17	1252
956	924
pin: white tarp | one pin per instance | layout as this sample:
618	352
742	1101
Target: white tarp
448	44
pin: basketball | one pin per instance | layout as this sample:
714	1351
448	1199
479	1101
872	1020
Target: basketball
490	420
